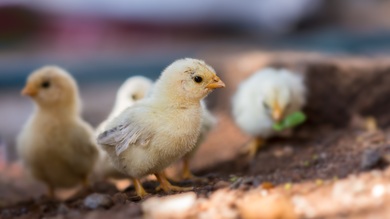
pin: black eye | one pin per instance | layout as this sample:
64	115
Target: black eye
45	84
198	79
135	97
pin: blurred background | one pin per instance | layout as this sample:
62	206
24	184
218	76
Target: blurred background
103	42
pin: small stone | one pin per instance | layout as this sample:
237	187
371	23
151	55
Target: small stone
97	200
267	185
287	186
319	182
371	159
62	209
119	197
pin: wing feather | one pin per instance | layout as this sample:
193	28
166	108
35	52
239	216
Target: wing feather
124	135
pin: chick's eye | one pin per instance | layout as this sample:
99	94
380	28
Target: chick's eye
198	79
134	97
45	84
265	105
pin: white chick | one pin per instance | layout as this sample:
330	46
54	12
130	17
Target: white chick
56	145
160	129
133	89
265	98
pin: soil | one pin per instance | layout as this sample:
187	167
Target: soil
333	166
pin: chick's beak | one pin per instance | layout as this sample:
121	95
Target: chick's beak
217	83
29	91
277	113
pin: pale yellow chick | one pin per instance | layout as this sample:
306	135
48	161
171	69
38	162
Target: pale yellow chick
160	129
132	90
264	98
56	145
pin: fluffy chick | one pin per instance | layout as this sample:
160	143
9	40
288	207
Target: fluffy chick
158	130
133	89
56	145
265	98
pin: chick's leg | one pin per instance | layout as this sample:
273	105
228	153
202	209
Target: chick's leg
254	146
139	189
186	174
167	186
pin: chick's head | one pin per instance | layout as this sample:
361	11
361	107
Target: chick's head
51	86
188	79
282	93
134	89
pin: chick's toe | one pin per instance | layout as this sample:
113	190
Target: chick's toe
139	189
167	186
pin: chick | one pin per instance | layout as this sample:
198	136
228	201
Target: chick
56	145
158	130
133	89
265	98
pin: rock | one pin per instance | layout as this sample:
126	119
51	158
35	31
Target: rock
97	200
174	206
62	209
267	207
120	198
372	159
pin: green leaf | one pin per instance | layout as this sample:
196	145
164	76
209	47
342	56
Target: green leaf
290	121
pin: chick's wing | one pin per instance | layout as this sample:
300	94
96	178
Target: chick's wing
127	133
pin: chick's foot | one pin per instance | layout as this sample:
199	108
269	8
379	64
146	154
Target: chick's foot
252	147
139	189
167	186
188	175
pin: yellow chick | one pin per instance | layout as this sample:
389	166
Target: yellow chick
265	98
160	129
133	89
56	145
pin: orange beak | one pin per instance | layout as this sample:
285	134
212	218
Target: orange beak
29	91
217	83
277	112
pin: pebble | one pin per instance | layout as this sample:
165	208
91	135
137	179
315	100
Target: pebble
119	197
371	159
62	209
97	200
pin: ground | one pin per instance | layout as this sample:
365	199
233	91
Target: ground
333	166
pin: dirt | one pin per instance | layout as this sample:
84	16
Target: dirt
333	166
